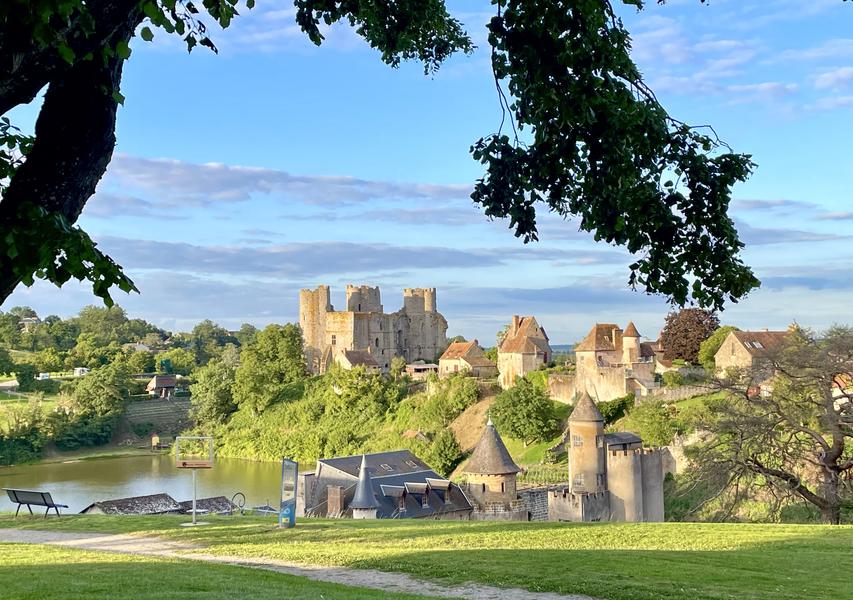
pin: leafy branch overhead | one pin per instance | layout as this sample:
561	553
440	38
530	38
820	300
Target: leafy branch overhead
589	139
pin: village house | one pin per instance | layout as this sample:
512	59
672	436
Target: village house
523	349
749	350
153	504
491	480
348	359
162	386
420	371
416	332
384	485
466	357
611	476
611	363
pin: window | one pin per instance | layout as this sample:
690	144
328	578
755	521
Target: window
387	467
503	487
578	480
599	441
601	479
484	488
733	348
757	345
577	441
359	308
334	339
411	463
377	343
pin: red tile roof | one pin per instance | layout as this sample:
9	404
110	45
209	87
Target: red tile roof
470	352
529	338
600	339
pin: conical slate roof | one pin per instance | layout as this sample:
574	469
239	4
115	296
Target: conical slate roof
585	410
490	456
631	331
364	496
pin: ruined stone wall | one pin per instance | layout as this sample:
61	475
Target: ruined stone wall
536	501
496	511
625	483
561	387
364	298
602	383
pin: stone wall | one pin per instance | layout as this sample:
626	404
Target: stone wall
561	387
625	484
652	470
536	501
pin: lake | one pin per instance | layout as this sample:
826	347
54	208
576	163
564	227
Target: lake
79	483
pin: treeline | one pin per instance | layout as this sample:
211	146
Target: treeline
99	336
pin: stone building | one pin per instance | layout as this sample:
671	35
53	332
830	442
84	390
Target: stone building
384	485
466	357
416	331
349	359
524	348
611	476
748	350
610	363
490	480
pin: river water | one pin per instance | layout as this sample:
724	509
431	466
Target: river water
80	483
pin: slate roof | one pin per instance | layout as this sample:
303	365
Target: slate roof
760	343
360	358
217	505
585	410
154	504
470	352
490	456
529	338
622	438
399	462
599	339
647	349
364	495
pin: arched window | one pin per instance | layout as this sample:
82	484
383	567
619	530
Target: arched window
377	342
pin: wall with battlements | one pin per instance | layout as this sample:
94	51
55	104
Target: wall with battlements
416	331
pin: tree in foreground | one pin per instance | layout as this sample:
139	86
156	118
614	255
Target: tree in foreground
685	331
581	134
793	433
268	366
524	412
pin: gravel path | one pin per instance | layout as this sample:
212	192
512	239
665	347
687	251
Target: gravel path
380	580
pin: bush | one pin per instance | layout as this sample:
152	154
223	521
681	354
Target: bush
444	453
613	410
524	412
673	379
143	429
653	422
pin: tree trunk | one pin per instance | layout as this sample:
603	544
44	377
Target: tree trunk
831	515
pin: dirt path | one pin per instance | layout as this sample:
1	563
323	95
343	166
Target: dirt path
380	580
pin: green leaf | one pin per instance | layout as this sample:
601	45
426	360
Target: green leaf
65	52
146	34
123	50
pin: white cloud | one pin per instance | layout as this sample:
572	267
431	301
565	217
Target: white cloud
836	78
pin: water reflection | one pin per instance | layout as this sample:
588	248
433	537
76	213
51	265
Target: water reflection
80	483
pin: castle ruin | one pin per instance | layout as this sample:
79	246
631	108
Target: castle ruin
416	331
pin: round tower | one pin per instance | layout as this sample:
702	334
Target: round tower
490	472
364	502
587	457
630	344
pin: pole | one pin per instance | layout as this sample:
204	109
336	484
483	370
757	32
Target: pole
195	494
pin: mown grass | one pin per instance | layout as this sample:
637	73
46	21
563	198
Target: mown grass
641	561
35	572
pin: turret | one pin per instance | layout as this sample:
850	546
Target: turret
491	473
587	466
364	502
630	344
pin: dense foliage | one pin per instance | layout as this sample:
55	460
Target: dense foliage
524	412
708	348
685	331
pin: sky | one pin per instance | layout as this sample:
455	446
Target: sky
242	177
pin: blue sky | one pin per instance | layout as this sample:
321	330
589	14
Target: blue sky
243	177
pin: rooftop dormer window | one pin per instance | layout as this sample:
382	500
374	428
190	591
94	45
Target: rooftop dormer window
387	467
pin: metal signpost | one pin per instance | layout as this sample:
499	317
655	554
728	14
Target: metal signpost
287	509
194	452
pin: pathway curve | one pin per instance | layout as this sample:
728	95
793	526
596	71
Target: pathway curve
366	578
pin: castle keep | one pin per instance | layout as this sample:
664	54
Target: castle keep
416	331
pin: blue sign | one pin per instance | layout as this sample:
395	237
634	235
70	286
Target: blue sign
287	508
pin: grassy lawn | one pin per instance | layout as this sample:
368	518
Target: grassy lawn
608	560
32	572
8	400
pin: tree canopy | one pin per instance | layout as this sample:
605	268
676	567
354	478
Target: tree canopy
582	135
685	331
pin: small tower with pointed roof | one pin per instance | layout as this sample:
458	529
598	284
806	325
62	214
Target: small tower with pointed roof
630	344
587	453
490	472
364	503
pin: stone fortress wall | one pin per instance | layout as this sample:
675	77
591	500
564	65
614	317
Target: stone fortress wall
416	331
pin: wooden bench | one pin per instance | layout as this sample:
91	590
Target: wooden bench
32	498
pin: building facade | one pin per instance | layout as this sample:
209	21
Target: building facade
524	348
748	350
466	357
416	332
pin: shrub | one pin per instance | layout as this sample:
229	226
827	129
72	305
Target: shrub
524	412
673	379
613	410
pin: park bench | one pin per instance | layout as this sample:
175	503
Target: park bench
31	498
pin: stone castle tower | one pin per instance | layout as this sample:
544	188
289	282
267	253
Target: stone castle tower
491	480
416	331
587	458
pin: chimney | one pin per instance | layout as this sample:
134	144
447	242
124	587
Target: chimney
516	321
476	343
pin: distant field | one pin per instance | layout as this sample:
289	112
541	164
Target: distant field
9	400
608	560
38	572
